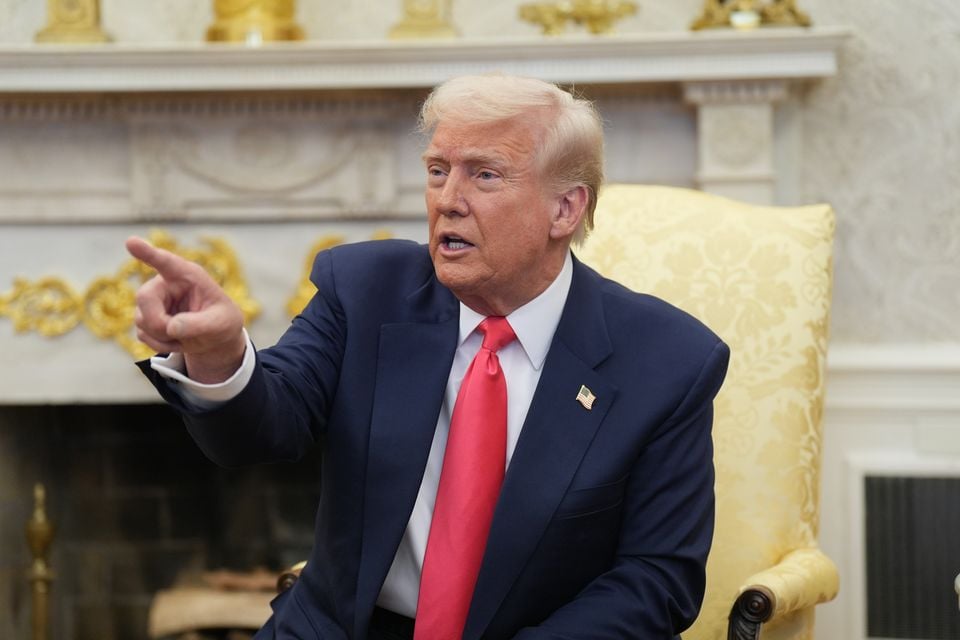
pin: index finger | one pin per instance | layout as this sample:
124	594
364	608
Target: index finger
169	265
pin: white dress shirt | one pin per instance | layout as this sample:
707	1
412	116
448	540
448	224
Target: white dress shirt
522	362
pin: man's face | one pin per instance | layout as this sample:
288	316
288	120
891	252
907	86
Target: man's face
490	214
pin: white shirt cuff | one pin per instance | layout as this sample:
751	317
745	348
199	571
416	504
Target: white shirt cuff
198	394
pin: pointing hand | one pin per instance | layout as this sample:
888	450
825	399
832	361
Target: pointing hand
183	309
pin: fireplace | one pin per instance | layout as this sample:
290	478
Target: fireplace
137	508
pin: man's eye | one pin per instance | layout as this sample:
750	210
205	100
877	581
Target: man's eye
487	175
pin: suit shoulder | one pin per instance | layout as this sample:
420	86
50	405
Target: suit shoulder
373	264
629	310
663	346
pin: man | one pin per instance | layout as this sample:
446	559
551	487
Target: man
514	447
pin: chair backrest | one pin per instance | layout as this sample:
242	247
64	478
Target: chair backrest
760	277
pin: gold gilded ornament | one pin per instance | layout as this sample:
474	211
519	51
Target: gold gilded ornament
551	17
52	308
40	532
72	21
253	22
306	290
748	14
598	16
48	306
108	307
424	19
784	13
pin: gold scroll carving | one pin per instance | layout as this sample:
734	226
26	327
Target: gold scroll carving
254	21
51	307
424	19
306	290
72	21
598	16
750	13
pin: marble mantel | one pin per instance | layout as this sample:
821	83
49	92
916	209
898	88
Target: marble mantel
718	55
278	147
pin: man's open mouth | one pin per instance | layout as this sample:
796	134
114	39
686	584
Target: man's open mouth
455	242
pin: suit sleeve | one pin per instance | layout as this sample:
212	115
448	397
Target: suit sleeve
655	587
283	409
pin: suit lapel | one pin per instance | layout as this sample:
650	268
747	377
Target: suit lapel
555	436
413	364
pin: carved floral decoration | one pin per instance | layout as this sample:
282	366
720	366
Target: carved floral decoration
51	307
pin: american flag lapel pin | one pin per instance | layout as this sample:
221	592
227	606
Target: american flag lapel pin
586	397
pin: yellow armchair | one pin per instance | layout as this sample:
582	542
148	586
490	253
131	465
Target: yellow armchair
761	278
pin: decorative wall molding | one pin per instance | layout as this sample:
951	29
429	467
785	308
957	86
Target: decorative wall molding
295	106
741	92
881	377
736	144
647	57
167	157
268	167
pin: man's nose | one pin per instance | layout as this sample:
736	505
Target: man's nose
451	201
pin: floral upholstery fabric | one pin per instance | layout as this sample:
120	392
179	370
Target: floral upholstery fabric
760	277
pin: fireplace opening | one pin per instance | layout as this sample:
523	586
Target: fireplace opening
137	508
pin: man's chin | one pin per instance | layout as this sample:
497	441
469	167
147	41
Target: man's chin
451	276
457	277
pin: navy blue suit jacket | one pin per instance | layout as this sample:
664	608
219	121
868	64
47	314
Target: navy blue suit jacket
605	517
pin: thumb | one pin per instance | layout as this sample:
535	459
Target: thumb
178	326
193	325
209	326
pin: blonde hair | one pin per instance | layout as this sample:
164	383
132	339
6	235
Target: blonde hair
570	149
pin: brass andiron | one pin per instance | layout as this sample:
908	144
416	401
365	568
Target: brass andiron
748	14
72	21
424	19
599	16
254	22
39	537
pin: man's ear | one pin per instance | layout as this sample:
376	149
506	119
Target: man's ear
570	209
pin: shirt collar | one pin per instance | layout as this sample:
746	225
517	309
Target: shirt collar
535	322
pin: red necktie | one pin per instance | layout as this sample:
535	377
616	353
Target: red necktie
473	467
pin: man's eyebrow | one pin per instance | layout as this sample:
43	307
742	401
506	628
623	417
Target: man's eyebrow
476	156
431	154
